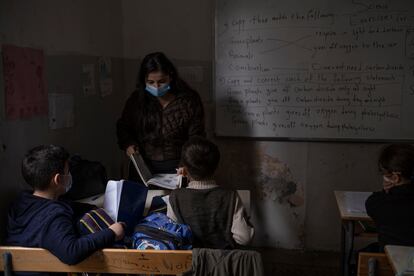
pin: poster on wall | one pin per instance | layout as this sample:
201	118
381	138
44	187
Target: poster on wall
61	110
24	82
88	79
105	75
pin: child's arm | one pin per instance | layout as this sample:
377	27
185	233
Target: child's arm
61	240
377	205
241	228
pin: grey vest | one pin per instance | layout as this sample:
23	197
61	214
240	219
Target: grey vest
209	212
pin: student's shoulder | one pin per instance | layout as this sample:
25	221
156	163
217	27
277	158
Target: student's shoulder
376	198
184	192
58	208
377	194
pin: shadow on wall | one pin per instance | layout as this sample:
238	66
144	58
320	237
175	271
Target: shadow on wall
237	168
277	196
238	164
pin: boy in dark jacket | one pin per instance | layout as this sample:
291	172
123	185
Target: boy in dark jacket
40	219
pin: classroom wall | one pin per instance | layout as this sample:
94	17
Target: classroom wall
296	202
71	33
184	31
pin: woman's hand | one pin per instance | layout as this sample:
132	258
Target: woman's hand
180	171
119	229
131	150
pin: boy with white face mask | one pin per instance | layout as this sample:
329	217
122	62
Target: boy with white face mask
392	208
40	219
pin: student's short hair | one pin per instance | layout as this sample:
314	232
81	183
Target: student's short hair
41	163
200	157
397	158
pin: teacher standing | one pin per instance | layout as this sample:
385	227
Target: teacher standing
159	116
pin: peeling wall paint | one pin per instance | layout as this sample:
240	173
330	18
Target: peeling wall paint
276	179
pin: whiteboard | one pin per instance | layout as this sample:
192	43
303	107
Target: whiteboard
323	69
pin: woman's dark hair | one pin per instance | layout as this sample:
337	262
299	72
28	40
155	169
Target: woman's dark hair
41	163
148	109
200	157
397	158
156	62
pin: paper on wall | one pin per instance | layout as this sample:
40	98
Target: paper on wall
24	81
105	75
88	79
61	110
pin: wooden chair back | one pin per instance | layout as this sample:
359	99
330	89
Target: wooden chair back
374	264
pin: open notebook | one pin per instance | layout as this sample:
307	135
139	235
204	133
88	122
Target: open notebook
355	201
163	180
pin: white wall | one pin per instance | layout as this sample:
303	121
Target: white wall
82	27
335	166
71	33
182	29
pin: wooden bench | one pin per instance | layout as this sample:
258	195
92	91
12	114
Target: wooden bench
129	261
172	262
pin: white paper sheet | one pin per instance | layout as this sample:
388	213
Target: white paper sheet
105	76
88	79
61	110
355	201
112	198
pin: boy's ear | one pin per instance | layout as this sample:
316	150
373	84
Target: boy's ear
55	179
396	178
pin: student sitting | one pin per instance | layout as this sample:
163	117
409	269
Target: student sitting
40	219
392	208
216	216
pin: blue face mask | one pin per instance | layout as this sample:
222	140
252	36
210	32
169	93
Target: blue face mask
158	92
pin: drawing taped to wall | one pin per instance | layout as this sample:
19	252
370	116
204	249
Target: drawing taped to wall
24	80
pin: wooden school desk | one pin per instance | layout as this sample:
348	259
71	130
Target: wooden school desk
351	207
401	259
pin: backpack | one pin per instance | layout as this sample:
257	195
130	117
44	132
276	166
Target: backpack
159	232
88	178
94	221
